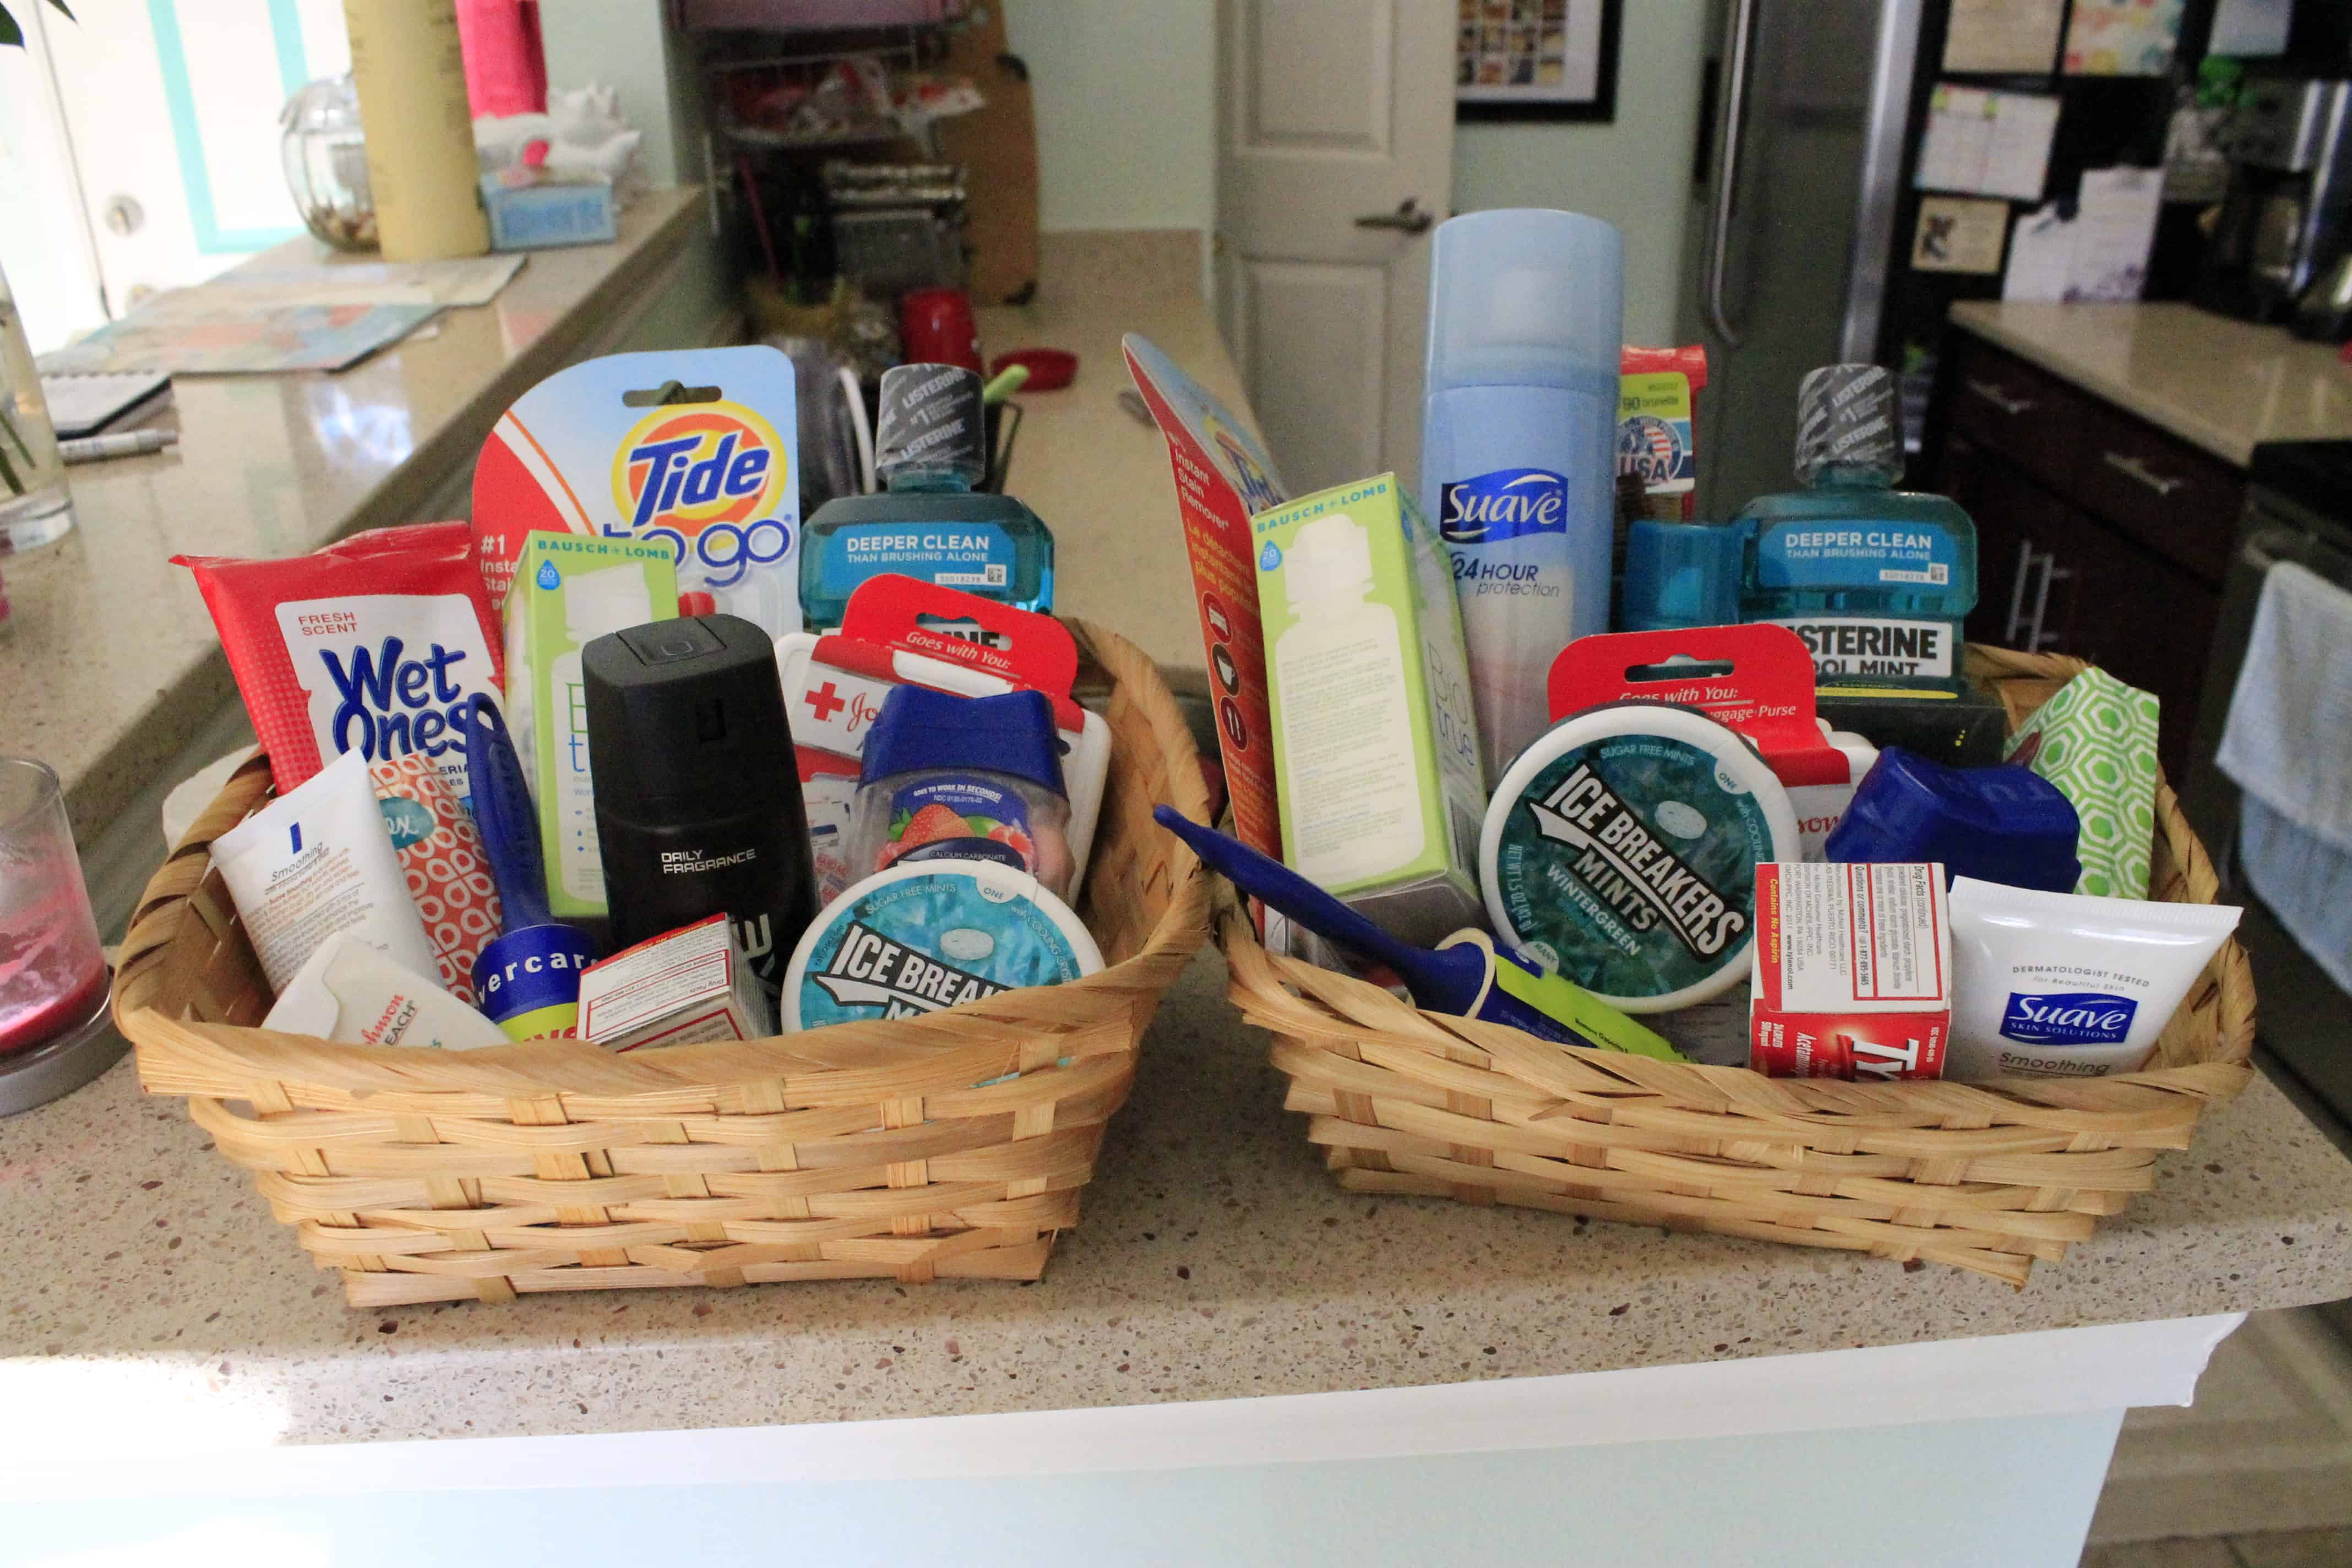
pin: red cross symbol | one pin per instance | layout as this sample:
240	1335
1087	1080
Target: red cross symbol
826	700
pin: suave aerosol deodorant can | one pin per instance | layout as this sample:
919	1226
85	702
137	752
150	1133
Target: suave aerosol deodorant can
1518	446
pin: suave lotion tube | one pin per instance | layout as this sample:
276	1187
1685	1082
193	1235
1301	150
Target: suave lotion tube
1518	447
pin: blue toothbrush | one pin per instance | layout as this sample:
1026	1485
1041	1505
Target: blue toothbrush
528	979
1466	975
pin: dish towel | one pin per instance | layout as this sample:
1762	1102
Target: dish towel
2288	745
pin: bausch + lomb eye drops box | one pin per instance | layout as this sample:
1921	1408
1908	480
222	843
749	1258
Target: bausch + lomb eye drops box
1375	747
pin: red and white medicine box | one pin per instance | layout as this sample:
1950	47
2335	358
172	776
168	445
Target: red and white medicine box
1853	972
680	988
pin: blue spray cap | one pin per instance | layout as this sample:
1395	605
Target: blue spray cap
1679	575
922	729
2006	824
1525	297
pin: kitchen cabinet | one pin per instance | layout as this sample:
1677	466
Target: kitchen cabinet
2097	535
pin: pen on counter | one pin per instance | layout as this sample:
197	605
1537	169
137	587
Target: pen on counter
125	444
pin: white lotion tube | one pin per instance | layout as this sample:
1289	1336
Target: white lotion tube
348	990
2058	985
319	860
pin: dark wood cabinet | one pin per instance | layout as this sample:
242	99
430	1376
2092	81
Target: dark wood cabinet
2097	535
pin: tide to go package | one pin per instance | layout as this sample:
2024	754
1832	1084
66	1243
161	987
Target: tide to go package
1853	972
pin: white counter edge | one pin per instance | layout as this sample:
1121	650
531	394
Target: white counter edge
2053	1372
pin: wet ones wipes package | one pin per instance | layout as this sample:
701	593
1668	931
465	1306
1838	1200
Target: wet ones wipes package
372	644
695	451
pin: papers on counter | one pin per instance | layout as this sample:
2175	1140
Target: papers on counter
272	318
84	405
473	280
191	331
1986	143
2101	252
2007	35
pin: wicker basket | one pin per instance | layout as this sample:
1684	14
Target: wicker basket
1985	1177
896	1149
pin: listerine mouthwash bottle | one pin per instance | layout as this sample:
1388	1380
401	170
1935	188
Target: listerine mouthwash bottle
932	525
1875	580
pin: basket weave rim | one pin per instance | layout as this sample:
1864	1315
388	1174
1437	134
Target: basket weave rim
1275	993
986	1032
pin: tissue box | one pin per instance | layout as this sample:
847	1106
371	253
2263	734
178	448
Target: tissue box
532	217
680	988
2096	740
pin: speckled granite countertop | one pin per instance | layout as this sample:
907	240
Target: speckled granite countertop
149	1290
2226	385
110	663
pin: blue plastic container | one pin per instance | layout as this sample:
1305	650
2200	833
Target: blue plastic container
2006	824
1679	574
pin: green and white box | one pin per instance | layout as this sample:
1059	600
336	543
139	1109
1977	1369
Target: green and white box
1375	748
2096	740
569	590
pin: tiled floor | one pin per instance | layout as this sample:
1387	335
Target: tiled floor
2291	1549
2256	1474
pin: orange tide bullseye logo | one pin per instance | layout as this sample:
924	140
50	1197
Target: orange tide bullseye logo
688	468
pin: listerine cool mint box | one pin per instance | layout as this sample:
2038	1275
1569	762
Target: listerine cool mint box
1375	748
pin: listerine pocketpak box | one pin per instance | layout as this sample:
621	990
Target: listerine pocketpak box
1375	745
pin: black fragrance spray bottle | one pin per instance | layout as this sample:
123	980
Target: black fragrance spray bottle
697	799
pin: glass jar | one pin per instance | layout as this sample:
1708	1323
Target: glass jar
52	971
35	507
325	153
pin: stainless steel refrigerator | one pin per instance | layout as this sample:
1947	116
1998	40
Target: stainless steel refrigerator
1802	168
1804	207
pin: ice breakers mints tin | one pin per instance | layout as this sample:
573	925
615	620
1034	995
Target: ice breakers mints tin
1621	850
919	937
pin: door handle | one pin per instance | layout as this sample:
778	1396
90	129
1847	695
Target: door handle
2139	470
2017	593
1727	174
2032	643
2051	573
1408	218
1991	393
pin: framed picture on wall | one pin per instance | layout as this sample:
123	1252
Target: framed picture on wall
1537	59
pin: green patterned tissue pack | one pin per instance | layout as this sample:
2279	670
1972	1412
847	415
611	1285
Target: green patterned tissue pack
2096	740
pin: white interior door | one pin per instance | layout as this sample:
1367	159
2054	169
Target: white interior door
172	109
1336	157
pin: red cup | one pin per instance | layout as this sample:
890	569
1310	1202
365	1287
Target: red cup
935	327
